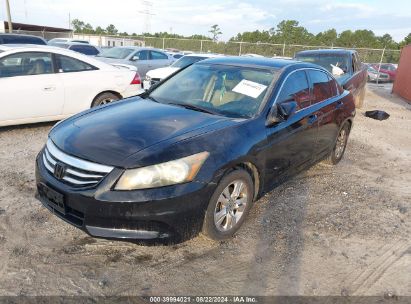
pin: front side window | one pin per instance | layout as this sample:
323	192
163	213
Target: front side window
24	64
142	55
296	88
321	88
220	89
158	56
67	64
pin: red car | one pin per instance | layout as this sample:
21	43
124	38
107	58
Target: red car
387	68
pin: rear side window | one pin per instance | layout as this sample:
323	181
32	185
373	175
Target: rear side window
321	87
157	55
67	64
85	49
27	63
296	89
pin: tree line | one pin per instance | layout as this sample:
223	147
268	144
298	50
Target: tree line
287	31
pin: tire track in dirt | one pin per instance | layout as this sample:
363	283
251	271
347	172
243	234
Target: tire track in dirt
364	280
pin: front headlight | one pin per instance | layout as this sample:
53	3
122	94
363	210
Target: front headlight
169	173
148	78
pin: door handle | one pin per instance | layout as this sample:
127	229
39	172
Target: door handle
49	88
312	118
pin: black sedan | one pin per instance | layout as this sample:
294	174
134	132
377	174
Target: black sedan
194	153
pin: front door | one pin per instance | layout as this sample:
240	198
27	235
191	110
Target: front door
292	143
29	88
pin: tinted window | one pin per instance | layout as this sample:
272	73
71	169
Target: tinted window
333	86
178	56
157	55
67	64
327	61
321	87
16	39
142	55
84	49
226	90
296	89
22	64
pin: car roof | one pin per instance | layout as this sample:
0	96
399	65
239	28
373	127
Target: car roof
205	55
326	51
259	62
20	35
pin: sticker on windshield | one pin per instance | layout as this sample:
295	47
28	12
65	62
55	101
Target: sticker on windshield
249	88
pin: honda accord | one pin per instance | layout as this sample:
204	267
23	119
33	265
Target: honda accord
193	153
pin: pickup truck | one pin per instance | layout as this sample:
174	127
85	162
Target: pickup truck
345	65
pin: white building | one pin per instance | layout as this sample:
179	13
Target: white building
108	41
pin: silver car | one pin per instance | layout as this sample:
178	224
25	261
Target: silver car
145	59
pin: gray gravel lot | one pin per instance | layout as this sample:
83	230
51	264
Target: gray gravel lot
342	230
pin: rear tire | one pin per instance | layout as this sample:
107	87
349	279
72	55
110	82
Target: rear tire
229	205
104	98
338	150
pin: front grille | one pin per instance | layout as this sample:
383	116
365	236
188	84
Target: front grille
72	170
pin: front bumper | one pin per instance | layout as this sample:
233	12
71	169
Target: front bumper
174	212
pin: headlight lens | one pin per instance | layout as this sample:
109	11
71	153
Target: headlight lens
169	173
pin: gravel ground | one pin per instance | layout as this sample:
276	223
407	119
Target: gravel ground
342	230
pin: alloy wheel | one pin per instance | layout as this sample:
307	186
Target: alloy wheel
230	206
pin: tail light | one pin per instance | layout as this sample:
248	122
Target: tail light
136	79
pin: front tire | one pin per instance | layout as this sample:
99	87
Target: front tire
339	147
229	205
104	98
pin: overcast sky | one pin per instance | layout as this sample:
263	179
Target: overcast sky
195	17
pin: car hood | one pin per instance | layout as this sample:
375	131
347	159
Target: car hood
110	134
162	73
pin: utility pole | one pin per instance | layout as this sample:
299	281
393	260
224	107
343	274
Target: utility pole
9	16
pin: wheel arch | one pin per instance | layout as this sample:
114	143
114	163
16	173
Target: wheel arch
106	91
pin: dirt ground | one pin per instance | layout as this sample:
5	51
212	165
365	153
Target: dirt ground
342	230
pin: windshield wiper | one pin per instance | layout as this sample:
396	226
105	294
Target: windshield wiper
193	107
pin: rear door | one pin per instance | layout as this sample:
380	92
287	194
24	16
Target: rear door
29	87
325	104
292	143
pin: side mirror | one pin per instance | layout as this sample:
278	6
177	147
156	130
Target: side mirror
281	112
134	58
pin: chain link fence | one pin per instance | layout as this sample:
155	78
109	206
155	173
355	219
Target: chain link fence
368	55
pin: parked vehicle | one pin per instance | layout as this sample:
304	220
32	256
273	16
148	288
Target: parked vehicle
145	59
175	56
373	75
194	153
82	48
44	83
155	76
67	40
346	67
21	39
387	68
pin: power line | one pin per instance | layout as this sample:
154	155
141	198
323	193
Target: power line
147	13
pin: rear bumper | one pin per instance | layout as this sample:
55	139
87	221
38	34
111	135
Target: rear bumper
174	212
132	90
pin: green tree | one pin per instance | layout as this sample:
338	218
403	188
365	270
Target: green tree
88	29
111	30
328	37
215	32
406	41
290	32
77	25
100	30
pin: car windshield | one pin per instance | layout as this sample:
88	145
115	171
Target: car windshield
116	53
186	61
327	61
232	91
